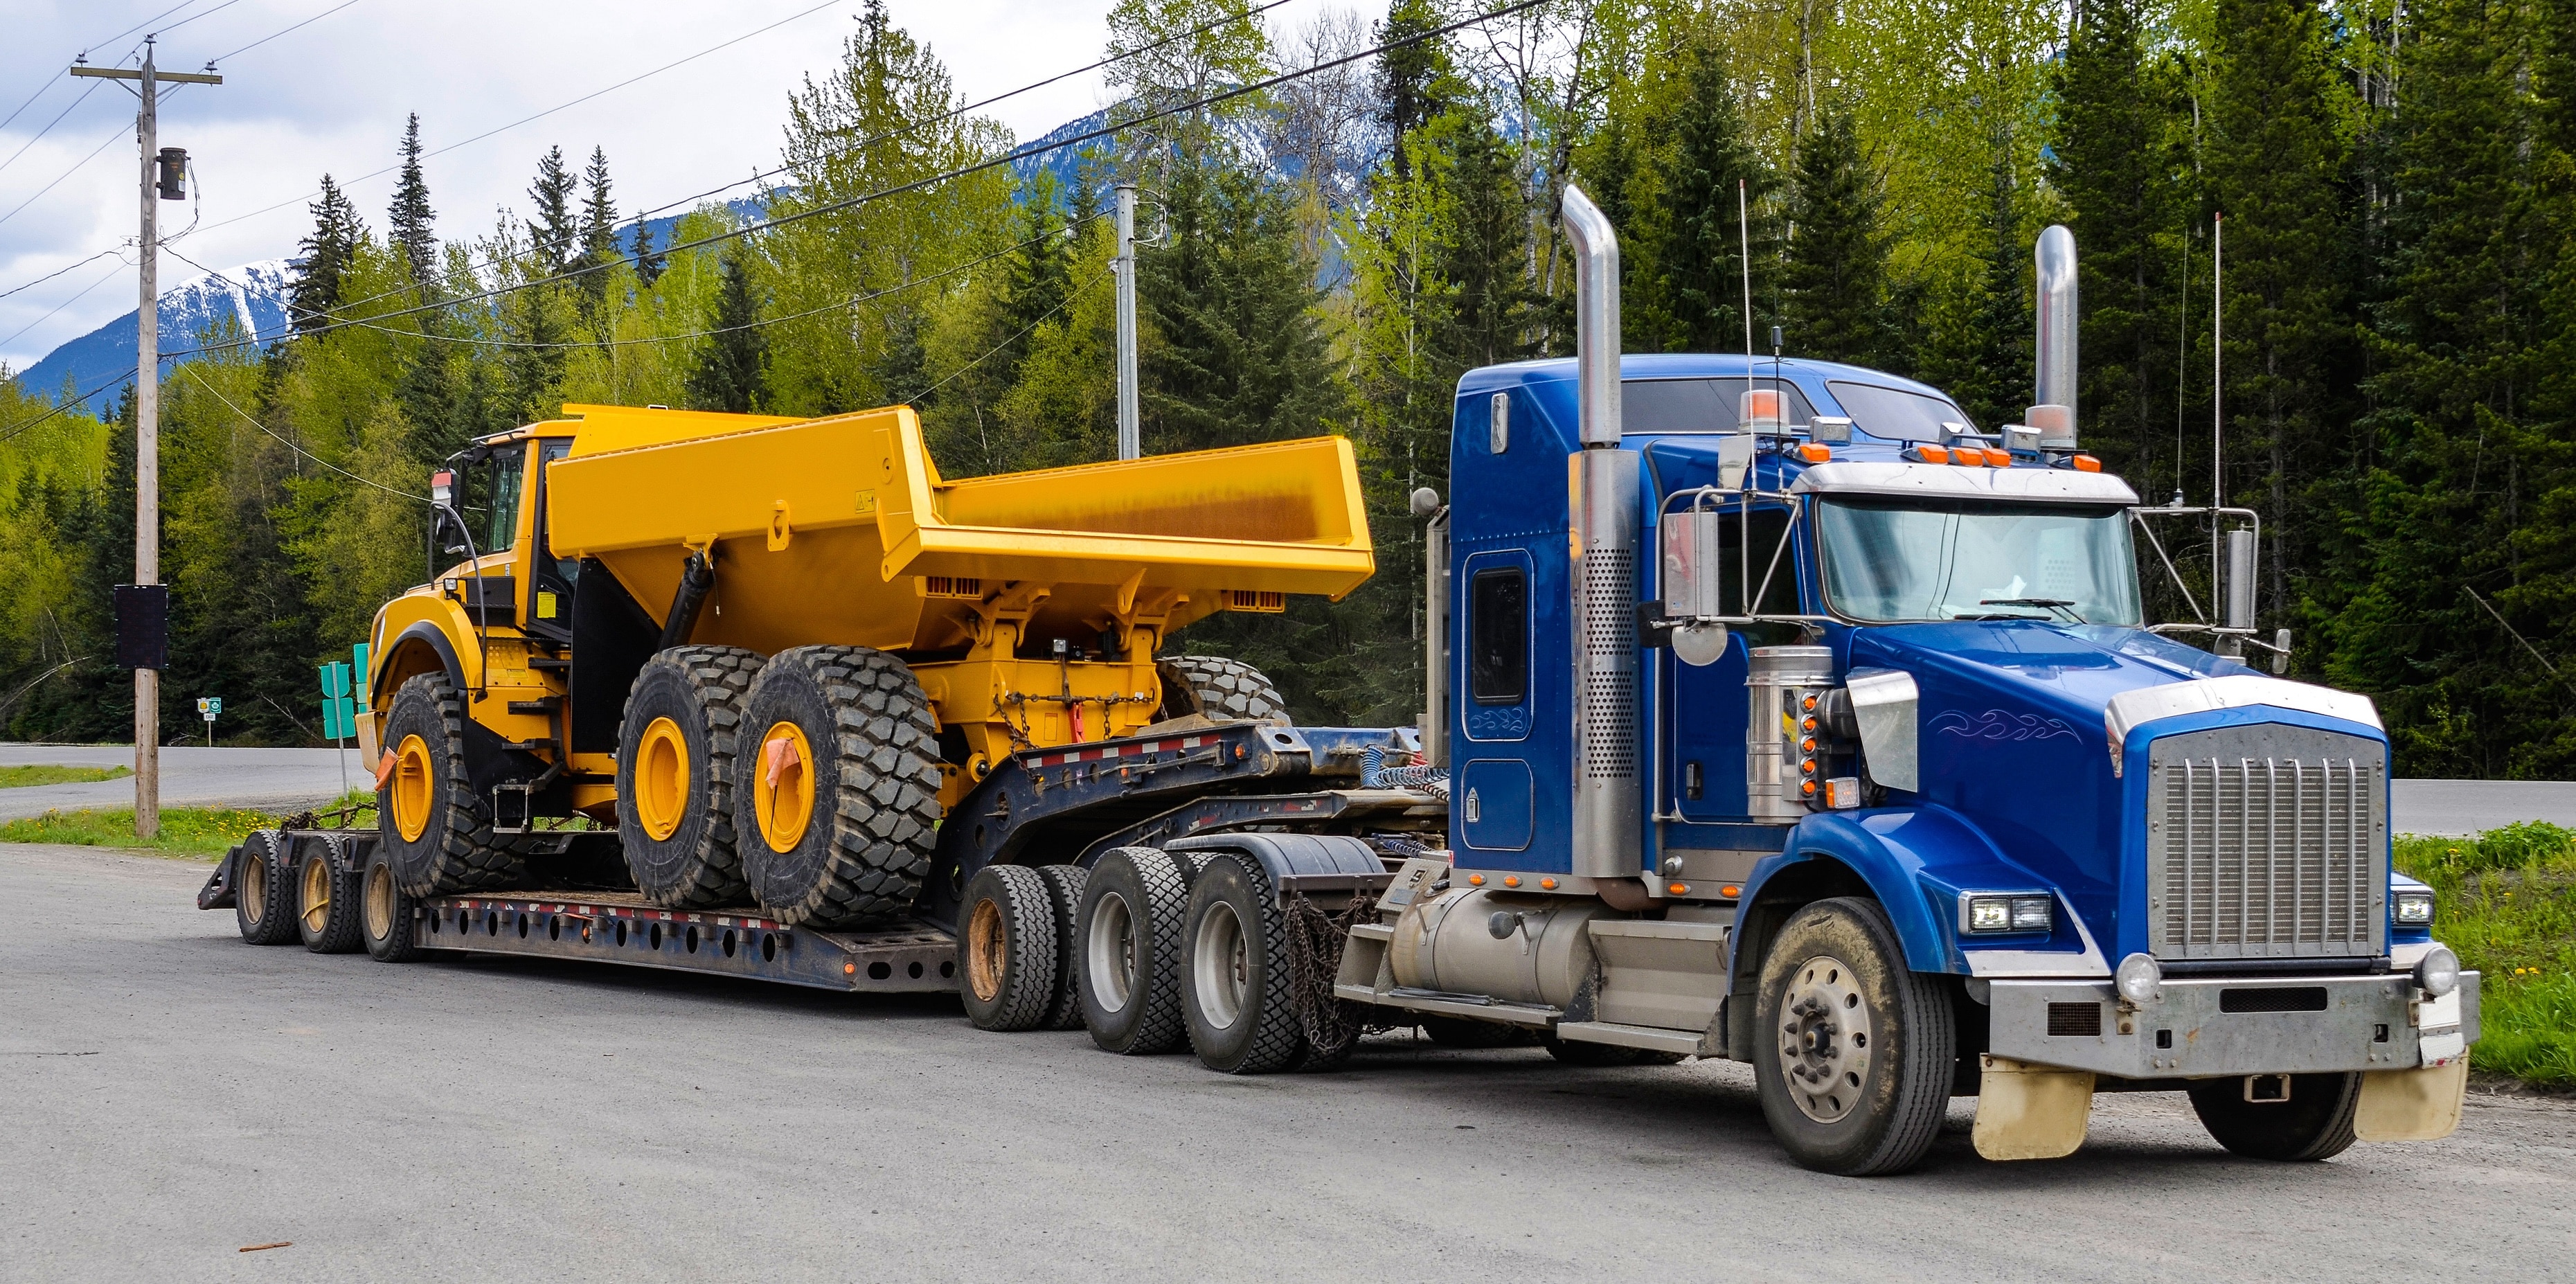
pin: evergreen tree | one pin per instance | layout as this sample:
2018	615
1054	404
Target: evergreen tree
732	368
1409	79
552	231
1484	258
2109	158
598	229
1038	274
1836	267
409	222
327	253
648	259
1699	258
1242	358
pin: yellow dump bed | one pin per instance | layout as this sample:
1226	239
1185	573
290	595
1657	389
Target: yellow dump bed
840	530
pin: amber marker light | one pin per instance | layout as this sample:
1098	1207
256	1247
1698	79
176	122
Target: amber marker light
1679	889
849	969
1931	454
1815	454
1511	880
1475	880
2086	464
1730	891
1547	884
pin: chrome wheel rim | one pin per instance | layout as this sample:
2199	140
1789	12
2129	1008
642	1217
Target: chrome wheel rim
1220	966
1826	1039
1109	949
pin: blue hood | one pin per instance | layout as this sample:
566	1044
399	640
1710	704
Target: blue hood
2062	673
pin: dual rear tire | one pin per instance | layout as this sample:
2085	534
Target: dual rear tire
326	895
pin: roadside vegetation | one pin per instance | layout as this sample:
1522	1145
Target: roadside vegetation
191	832
2506	901
50	774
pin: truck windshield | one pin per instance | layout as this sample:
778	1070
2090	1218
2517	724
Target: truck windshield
1888	561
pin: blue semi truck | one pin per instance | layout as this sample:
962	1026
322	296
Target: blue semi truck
1775	711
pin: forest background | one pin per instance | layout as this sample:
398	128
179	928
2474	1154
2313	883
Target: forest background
2399	386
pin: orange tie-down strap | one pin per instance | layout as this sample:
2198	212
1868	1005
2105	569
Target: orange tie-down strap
384	768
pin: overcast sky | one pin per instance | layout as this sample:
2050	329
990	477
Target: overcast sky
331	96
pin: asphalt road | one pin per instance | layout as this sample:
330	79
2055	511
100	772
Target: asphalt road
276	780
174	1095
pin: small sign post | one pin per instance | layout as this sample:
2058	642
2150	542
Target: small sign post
339	712
208	708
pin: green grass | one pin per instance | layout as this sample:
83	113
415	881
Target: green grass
49	774
2506	902
195	832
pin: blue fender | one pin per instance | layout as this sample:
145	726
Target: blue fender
1914	861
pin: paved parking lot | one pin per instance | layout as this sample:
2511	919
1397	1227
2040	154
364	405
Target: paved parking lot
276	780
175	1095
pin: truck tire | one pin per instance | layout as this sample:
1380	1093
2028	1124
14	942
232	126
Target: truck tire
675	775
1064	892
2315	1123
264	889
437	830
1007	949
1219	688
385	918
838	828
1237	990
1854	1070
1133	907
326	897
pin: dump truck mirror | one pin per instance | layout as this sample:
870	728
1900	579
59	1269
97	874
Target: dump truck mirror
1426	502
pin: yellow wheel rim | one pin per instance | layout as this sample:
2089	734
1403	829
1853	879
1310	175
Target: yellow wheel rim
985	943
317	894
413	786
783	786
254	886
380	901
662	778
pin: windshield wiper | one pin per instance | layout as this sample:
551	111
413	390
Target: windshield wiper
2052	603
2000	615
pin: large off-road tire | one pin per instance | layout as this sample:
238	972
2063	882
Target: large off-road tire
1853	1052
1064	893
1218	688
437	830
676	767
2315	1123
1133	908
1237	988
385	919
1007	949
839	804
326	896
264	889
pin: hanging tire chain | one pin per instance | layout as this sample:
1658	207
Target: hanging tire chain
1315	941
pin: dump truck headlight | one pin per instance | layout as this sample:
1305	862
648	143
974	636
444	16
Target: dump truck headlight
2438	972
2004	912
2415	909
2140	979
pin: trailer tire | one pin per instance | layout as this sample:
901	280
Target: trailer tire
1007	949
1466	1033
862	838
2315	1123
676	765
1215	687
264	883
437	830
385	918
1237	995
1133	908
326	900
1854	1063
1064	892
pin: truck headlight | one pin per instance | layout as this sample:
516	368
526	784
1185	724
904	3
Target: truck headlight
2005	912
2415	908
2140	979
2438	972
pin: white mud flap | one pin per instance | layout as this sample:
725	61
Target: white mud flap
2027	1111
2412	1105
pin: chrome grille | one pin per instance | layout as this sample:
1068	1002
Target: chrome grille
2267	841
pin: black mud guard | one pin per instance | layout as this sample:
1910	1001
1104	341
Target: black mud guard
218	891
1292	860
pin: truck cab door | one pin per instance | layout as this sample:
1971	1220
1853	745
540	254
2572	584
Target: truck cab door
1705	708
550	579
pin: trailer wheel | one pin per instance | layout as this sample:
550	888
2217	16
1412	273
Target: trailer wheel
1064	893
1216	687
839	806
264	902
385	918
1133	907
1006	949
676	764
437	829
2315	1123
326	899
1237	995
1854	1071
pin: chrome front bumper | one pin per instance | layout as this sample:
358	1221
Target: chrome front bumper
2213	1026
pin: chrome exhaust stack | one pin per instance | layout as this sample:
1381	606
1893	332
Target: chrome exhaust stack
1603	484
2054	416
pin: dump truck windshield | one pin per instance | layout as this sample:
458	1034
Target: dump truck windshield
490	501
1888	561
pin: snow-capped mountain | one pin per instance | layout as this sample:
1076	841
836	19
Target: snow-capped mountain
253	296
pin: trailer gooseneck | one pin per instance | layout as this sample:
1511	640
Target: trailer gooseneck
1774	711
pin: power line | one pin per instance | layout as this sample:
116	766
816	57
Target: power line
255	423
76	167
275	34
49	125
900	189
140	26
1061	304
204	13
111	273
15	431
805	13
50	276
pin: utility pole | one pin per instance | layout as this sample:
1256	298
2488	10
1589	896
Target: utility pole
1130	445
147	408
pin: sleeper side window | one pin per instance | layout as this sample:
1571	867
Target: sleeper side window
1498	636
